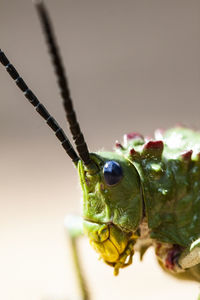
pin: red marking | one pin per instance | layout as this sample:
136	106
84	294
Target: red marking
172	257
169	264
132	152
134	135
187	155
118	145
154	145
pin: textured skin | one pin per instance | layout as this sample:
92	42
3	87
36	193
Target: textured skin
156	203
171	184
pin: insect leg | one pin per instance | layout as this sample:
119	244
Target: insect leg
74	229
191	256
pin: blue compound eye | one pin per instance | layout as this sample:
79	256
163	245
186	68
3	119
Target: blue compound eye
112	172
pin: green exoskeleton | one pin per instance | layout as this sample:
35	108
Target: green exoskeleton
145	193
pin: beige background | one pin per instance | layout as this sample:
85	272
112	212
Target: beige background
133	66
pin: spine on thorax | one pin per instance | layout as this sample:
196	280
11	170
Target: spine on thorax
171	189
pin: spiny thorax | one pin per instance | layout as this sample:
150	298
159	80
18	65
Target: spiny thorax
168	188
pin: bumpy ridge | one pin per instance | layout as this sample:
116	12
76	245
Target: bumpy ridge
169	169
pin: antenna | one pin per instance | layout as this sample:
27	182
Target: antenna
62	82
39	107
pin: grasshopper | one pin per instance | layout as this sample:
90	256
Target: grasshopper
145	193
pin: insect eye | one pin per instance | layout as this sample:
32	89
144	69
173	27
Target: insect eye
112	172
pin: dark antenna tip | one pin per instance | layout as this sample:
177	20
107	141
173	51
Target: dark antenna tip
62	82
39	107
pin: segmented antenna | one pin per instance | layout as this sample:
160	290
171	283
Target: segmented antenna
39	107
62	82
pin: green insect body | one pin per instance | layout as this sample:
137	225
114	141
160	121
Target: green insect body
157	201
145	193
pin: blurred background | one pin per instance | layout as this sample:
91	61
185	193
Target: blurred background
133	65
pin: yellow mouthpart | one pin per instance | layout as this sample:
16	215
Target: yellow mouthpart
114	245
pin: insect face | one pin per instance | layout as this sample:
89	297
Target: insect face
111	212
